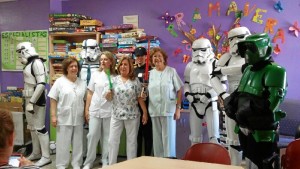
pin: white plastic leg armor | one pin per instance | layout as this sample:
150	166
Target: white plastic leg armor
196	127
212	119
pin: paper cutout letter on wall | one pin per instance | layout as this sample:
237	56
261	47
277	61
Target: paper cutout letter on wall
215	7
232	8
257	16
279	35
271	22
179	19
295	28
246	9
196	15
171	30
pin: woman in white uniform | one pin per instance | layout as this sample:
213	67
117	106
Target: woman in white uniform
67	114
126	96
165	91
98	109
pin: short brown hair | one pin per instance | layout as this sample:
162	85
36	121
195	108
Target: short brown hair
66	63
157	49
6	127
131	69
110	56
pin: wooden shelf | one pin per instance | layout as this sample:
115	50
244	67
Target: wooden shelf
55	68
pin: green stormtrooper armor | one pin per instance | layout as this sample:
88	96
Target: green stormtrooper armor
262	88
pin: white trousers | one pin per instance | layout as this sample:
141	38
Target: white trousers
164	136
67	136
116	128
98	129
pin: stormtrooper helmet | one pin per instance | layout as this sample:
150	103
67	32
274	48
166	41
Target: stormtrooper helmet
90	50
25	51
236	35
202	51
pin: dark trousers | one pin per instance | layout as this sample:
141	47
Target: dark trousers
256	151
145	133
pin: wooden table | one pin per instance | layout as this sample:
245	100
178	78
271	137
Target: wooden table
145	162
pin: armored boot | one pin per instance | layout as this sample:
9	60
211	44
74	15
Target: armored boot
36	149
235	156
44	140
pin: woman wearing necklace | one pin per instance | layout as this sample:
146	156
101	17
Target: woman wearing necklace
98	109
165	90
126	96
67	114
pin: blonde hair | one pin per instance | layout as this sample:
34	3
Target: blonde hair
131	74
110	56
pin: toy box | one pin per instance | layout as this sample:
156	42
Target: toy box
93	22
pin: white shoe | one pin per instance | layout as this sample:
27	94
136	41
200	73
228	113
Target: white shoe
43	161
33	157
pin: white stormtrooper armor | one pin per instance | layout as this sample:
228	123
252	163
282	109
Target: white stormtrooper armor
231	65
199	92
35	74
90	54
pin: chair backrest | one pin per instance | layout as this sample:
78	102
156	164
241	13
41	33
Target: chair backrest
291	158
208	152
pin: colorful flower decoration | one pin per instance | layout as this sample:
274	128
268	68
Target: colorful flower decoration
167	18
193	31
278	6
188	45
196	15
295	28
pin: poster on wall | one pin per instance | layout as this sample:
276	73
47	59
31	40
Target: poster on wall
9	41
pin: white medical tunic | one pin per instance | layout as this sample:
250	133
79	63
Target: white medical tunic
70	101
163	87
99	84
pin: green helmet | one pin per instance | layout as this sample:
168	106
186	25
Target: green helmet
255	48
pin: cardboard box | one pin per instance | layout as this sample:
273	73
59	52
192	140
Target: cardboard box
12	106
92	22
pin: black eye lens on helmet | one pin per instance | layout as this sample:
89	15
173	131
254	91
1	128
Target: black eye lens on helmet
83	47
203	49
251	47
92	47
241	36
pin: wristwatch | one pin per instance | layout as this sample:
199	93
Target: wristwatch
178	106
